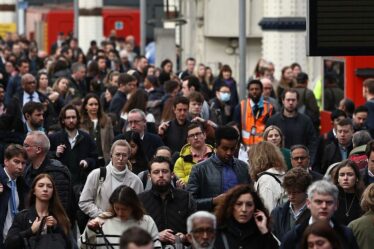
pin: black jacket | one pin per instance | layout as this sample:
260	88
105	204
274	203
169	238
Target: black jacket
206	180
61	176
293	238
171	213
296	130
280	219
84	149
21	230
332	155
245	236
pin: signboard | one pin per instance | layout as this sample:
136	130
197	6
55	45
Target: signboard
7	27
340	27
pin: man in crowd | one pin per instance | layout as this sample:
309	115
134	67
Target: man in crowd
201	228
253	113
190	67
367	173
322	202
168	206
174	132
296	127
191	84
33	113
77	80
210	179
136	238
300	158
15	82
294	211
13	189
126	86
360	115
340	149
37	146
368	94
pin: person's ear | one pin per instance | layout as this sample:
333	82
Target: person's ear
189	237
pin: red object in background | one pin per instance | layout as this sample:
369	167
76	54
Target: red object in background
353	84
125	21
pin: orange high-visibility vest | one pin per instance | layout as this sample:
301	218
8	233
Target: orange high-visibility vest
253	127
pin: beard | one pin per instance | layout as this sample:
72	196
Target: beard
196	245
161	188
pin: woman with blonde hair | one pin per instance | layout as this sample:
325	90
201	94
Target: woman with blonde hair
363	227
274	135
267	169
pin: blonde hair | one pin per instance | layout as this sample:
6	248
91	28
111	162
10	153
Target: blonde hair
263	156
367	199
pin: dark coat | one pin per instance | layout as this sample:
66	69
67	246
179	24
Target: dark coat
117	103
293	238
84	149
280	219
61	176
332	155
171	212
21	230
206	180
246	236
22	191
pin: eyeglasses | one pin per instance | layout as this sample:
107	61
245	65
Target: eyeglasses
31	82
299	158
195	135
119	155
135	122
201	231
26	146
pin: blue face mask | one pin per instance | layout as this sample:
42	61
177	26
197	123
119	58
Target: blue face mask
224	97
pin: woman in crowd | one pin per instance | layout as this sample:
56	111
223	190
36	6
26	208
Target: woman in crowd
287	81
138	159
45	209
363	227
243	221
42	83
61	93
225	77
347	179
167	66
209	77
267	168
275	136
98	125
125	212
320	235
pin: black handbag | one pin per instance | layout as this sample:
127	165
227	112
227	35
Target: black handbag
46	241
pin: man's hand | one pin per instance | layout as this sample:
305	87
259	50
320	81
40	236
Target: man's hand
167	235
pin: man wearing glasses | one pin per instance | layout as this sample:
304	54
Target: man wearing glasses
300	158
201	228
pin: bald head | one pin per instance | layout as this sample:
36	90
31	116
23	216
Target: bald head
28	83
267	87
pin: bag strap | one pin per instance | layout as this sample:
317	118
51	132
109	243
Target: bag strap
145	179
102	177
270	174
107	243
224	239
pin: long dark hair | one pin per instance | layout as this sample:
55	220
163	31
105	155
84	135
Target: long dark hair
359	185
54	205
126	196
225	208
101	116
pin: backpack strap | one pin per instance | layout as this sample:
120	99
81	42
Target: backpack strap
145	179
102	177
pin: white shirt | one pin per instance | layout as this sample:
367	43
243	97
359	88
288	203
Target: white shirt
26	97
73	140
9	218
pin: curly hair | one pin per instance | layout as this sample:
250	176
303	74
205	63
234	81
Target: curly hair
297	179
263	156
224	209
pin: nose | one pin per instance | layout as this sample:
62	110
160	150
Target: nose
243	207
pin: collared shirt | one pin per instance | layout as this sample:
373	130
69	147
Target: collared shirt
229	177
311	221
9	217
343	152
29	128
73	140
26	97
298	213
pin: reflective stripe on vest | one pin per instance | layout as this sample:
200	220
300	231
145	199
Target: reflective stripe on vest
253	128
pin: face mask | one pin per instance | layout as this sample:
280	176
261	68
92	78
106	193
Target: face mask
225	97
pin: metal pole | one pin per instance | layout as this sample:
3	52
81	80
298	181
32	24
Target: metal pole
76	18
242	48
143	30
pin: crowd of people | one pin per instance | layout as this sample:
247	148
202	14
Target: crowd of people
103	150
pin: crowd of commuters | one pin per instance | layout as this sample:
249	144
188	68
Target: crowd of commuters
103	150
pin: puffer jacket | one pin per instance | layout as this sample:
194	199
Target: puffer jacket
184	163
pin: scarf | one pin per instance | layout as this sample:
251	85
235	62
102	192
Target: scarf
118	175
